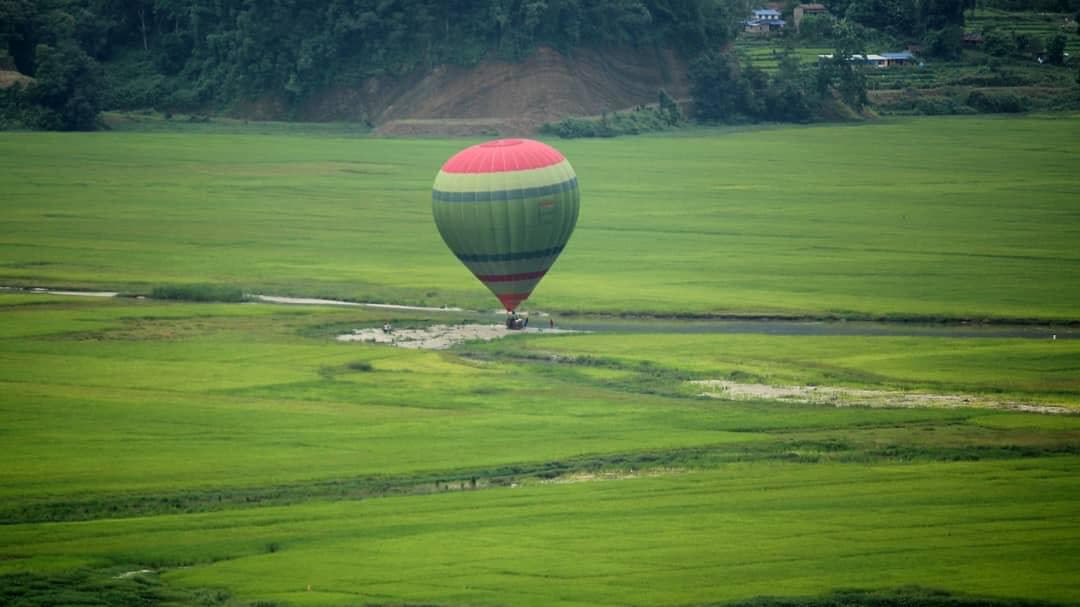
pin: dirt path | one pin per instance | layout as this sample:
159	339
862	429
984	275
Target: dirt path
855	397
334	302
440	337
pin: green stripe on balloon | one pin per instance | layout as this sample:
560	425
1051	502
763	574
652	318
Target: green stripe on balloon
506	209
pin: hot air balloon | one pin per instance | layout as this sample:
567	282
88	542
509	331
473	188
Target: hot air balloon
506	209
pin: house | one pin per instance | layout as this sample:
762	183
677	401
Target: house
884	60
754	26
972	39
807	9
765	20
898	58
873	60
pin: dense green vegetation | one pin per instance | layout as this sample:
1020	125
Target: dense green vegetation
998	75
213	54
197	292
932	218
642	119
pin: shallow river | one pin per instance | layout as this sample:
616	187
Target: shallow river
758	326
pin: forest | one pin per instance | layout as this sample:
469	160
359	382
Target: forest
85	56
208	53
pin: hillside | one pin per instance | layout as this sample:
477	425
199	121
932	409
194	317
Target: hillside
505	96
357	60
496	95
508	66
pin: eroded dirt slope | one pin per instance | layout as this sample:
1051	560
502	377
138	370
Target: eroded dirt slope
505	97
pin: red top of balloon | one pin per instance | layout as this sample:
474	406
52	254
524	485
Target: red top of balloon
503	155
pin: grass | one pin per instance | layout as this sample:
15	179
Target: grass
1020	369
706	537
244	457
948	217
209	443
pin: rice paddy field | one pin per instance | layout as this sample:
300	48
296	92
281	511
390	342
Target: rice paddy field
1015	73
236	454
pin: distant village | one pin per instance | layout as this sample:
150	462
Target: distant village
769	20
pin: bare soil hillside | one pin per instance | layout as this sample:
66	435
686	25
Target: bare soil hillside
10	78
504	97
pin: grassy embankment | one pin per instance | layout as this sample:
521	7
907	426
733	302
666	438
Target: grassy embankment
972	218
225	446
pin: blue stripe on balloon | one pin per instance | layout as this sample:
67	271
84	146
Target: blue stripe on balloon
498	195
513	256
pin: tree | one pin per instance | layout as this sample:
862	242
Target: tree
788	98
18	22
67	89
669	108
843	72
1028	44
945	43
1055	49
714	78
816	27
938	14
998	43
897	17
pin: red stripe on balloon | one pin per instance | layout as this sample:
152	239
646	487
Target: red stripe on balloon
511	277
503	155
511	300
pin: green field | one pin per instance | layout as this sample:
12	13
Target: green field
956	218
235	454
225	447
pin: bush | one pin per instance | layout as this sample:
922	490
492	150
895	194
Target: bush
1027	43
994	75
12	108
198	292
946	43
999	44
132	83
1055	50
941	106
573	128
640	120
1005	103
817	28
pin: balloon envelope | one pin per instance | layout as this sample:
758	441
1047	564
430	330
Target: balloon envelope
506	209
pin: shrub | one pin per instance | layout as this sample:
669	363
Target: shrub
360	365
941	106
999	44
1055	50
1005	103
198	292
640	120
994	75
